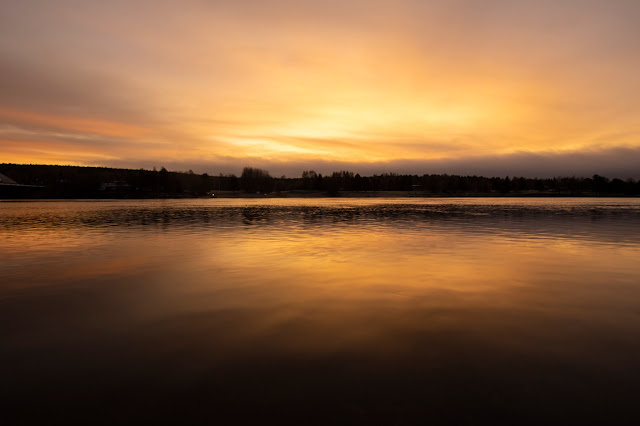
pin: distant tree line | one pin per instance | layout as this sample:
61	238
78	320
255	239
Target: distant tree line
443	184
102	182
470	185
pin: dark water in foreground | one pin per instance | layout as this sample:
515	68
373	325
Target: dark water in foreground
320	311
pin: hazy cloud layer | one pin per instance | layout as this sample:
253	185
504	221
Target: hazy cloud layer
486	87
614	163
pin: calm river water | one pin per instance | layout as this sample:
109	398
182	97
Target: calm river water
320	311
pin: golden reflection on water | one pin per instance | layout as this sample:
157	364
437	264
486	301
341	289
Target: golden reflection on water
190	292
338	261
348	287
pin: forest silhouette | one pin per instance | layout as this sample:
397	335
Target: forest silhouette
51	181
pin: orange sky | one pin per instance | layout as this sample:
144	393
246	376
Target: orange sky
493	86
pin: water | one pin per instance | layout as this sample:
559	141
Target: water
320	311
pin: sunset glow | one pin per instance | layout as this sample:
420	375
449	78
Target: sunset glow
460	87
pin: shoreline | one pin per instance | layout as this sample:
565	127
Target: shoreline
324	195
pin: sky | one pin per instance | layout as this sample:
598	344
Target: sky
492	87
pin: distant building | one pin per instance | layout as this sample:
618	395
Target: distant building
9	188
6	181
114	186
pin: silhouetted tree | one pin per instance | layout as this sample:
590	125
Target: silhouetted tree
254	179
309	179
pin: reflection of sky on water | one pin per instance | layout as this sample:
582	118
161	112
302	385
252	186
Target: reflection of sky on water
514	299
